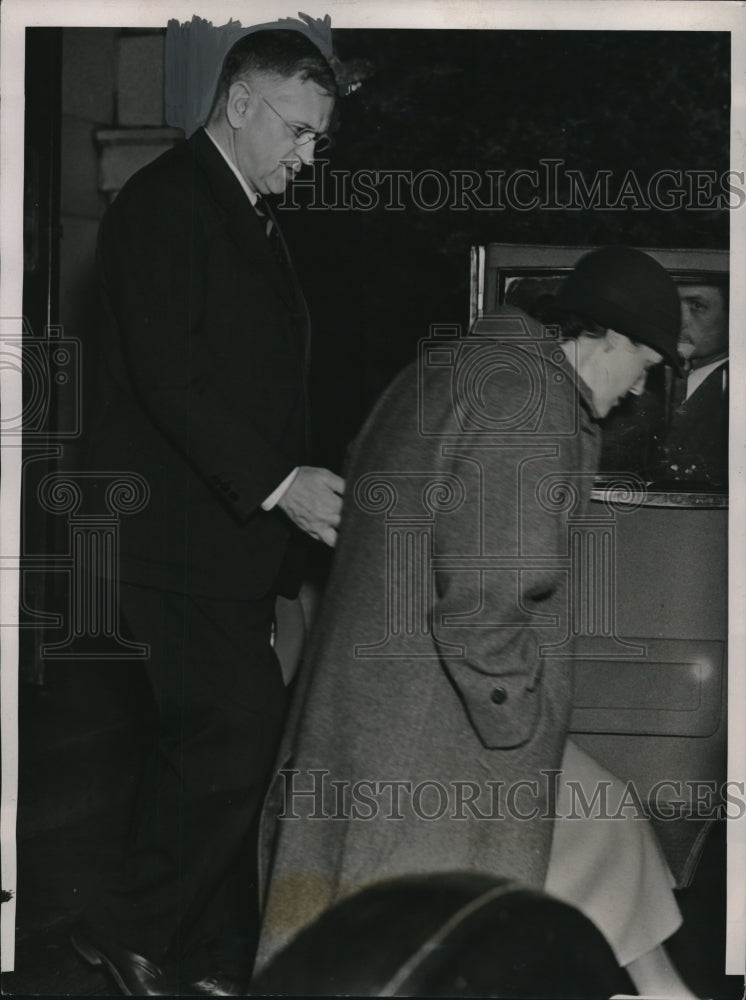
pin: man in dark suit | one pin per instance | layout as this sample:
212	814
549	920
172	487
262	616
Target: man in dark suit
204	395
695	446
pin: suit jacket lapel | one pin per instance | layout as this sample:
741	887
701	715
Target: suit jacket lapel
248	230
242	221
299	302
303	325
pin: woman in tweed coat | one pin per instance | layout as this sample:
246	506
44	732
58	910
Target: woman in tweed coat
434	702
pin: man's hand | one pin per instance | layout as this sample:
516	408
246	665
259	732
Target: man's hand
314	502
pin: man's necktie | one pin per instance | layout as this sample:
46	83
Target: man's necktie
676	392
270	229
679	391
273	235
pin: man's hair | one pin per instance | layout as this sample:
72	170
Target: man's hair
284	52
719	281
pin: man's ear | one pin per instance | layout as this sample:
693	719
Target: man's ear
239	102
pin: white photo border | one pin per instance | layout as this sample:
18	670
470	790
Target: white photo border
632	15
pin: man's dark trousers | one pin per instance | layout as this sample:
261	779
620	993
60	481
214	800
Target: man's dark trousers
220	701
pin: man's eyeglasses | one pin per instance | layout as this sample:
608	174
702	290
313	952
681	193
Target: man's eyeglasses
301	135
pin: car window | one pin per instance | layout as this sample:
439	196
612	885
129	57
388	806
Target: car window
674	436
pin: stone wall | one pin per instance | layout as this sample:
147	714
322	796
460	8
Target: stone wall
112	124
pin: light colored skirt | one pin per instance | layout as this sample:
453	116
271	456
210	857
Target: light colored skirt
612	870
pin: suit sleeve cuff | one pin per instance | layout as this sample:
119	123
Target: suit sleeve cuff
277	495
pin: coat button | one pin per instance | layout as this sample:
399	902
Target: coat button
498	695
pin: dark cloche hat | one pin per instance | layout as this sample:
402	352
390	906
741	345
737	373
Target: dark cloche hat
628	291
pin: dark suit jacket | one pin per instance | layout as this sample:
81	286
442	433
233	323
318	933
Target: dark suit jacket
204	378
695	448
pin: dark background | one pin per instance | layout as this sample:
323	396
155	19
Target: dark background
490	100
627	103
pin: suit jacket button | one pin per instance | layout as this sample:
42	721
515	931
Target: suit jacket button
498	695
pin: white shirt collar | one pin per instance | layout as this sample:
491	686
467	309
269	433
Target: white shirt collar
250	192
697	377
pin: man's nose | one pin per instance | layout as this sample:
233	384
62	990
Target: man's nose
306	152
639	387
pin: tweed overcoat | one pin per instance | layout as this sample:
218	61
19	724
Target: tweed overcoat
429	712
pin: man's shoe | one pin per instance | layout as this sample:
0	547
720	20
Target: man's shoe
134	975
218	984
